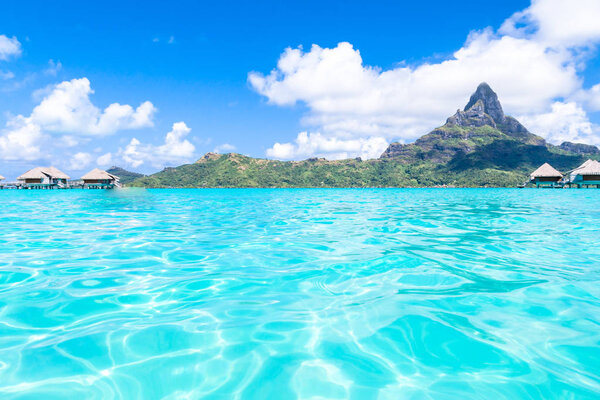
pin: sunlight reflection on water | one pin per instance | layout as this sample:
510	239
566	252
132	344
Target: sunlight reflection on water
360	293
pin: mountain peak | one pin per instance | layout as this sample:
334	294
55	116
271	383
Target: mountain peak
491	104
209	157
474	116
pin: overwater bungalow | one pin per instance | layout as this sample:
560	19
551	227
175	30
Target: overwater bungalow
44	178
586	174
545	176
99	179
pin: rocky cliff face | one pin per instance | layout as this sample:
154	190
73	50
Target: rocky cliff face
489	99
473	116
579	148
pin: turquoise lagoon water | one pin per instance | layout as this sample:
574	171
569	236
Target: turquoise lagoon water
300	294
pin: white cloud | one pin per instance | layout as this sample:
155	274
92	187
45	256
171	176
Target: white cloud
170	40
591	97
224	148
22	140
104	160
69	141
53	68
80	160
176	149
6	75
68	109
9	47
67	112
175	145
529	66
565	122
557	22
132	155
315	144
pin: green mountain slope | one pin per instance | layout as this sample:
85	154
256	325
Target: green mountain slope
124	175
236	170
478	146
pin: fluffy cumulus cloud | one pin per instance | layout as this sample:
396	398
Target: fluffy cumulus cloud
316	144
80	160
533	61
591	97
9	47
66	117
557	22
175	149
22	140
68	109
104	160
67	112
564	122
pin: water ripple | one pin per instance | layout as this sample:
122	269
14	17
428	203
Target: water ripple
306	294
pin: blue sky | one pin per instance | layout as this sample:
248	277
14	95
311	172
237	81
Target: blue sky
380	73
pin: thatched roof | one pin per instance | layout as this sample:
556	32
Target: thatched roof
43	172
99	175
585	164
56	173
35	173
546	171
590	167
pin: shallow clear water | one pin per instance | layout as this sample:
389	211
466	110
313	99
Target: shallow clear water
285	294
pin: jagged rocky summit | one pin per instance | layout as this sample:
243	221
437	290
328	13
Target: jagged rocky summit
484	108
481	122
579	148
489	100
